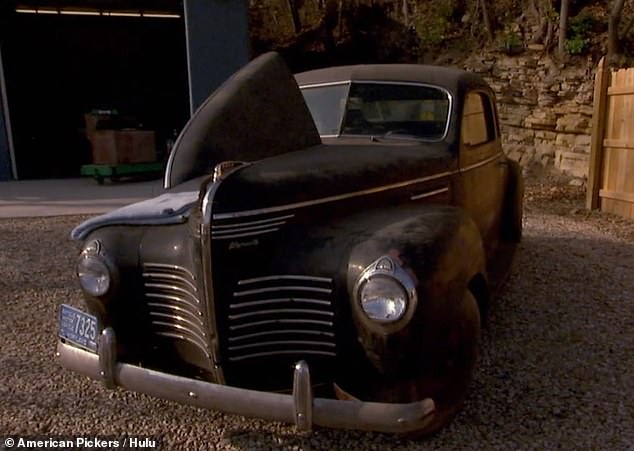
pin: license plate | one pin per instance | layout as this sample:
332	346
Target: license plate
78	327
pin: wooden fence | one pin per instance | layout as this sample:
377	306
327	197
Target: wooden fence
611	175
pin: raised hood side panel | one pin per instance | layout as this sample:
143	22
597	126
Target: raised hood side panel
259	112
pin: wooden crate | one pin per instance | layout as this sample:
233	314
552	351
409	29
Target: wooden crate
123	146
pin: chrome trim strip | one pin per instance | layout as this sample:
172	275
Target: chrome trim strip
207	203
171	297
262	221
152	278
396	82
325	85
209	301
179	319
373	416
482	163
237	229
282	288
279	301
282	332
283	342
181	331
429	194
169	267
180	328
282	321
285	277
185	338
290	310
171	277
241	235
212	187
260	211
178	309
284	352
204	230
170	288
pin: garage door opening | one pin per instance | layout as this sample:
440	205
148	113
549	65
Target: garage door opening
60	66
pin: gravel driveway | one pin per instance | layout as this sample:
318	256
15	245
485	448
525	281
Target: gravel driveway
556	368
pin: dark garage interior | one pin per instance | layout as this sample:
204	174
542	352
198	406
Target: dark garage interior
59	67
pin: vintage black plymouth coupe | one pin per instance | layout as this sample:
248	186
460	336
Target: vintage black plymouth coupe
325	252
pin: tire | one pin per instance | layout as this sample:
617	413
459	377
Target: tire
513	204
448	377
445	375
460	361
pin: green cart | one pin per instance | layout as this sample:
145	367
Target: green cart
100	172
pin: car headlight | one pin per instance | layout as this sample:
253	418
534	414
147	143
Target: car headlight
385	291
92	270
383	299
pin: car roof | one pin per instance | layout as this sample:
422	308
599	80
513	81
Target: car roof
449	78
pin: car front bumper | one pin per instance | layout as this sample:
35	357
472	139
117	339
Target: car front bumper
300	407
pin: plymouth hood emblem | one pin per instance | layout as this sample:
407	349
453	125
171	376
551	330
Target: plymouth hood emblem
240	244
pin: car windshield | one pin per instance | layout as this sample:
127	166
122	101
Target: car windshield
379	109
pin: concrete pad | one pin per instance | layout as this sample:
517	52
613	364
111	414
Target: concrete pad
55	197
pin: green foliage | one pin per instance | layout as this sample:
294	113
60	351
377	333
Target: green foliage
511	40
576	46
433	20
579	32
432	31
446	8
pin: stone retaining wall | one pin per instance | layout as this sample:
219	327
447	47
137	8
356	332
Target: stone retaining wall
545	108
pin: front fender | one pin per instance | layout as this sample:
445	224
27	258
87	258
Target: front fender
441	248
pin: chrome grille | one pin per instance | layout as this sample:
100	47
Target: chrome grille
230	228
174	304
281	315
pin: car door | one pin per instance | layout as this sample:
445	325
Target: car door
481	166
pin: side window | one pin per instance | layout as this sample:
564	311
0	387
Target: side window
478	123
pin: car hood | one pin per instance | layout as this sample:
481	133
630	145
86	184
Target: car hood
257	113
330	171
172	207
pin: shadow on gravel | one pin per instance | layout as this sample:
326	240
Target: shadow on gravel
556	358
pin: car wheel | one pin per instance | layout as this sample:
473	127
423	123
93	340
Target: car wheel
445	372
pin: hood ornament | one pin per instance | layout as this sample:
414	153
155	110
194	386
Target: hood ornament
223	168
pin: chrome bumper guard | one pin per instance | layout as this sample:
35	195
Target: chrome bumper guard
299	408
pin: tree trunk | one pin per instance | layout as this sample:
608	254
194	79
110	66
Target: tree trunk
297	25
563	28
614	40
532	9
405	13
547	12
543	12
339	16
486	18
